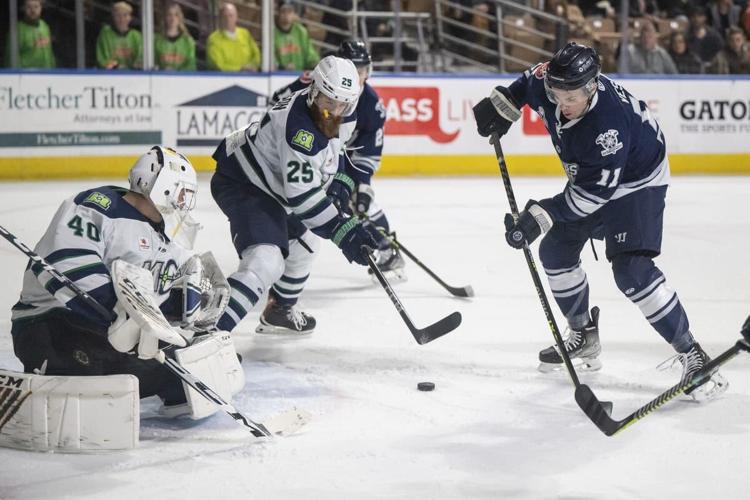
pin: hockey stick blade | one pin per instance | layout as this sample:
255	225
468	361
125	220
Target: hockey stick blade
435	330
421	335
598	413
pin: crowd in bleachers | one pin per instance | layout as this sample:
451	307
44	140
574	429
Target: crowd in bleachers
665	36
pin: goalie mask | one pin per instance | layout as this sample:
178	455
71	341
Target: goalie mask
168	179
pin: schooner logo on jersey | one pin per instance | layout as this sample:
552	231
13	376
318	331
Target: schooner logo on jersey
414	111
206	120
609	142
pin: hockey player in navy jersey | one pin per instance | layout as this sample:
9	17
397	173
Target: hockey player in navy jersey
55	332
282	184
613	152
364	148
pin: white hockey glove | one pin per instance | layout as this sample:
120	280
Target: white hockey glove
215	294
139	320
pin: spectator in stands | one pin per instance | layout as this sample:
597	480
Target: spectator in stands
292	45
724	15
646	56
231	48
119	46
686	61
745	19
703	40
34	39
174	48
734	58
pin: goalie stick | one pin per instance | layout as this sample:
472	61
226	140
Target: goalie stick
601	415
421	335
292	419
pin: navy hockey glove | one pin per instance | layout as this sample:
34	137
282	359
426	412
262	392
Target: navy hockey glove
531	223
496	113
363	199
340	191
351	236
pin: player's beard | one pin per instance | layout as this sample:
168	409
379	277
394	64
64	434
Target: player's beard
329	126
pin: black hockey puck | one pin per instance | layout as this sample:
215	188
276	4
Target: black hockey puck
426	386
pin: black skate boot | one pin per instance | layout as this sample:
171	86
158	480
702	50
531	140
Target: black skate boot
282	319
692	362
581	345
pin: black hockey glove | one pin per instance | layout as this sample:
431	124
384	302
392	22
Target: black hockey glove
340	192
351	236
531	223
496	113
363	198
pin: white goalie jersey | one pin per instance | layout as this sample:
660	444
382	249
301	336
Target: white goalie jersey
87	234
287	157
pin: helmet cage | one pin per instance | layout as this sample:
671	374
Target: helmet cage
167	178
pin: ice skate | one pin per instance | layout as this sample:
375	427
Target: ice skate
692	362
582	347
285	320
391	264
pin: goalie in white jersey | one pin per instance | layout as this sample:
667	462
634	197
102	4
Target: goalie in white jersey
281	182
56	333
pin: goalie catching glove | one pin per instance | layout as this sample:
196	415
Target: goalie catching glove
205	292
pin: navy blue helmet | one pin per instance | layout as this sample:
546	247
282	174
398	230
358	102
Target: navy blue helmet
573	67
356	51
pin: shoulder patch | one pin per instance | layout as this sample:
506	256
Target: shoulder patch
609	142
304	139
101	200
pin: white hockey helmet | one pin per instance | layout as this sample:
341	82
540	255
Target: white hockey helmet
167	178
337	79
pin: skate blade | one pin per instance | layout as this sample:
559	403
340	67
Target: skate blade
393	276
714	387
580	364
281	331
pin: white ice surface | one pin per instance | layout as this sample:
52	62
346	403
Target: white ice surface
494	427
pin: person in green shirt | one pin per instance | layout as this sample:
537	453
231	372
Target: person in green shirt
174	48
232	48
292	45
119	46
34	40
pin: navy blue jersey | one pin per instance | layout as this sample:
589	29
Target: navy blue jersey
614	149
366	144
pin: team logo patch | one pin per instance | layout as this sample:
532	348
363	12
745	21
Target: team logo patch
99	199
609	142
144	243
303	139
540	70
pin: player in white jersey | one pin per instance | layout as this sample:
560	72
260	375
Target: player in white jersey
54	331
281	183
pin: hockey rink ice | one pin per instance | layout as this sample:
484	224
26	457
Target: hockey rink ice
494	427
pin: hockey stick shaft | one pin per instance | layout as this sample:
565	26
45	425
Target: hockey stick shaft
591	405
423	335
465	291
256	428
495	140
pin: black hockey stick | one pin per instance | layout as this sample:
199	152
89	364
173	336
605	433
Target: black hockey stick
495	140
257	429
463	291
601	415
421	335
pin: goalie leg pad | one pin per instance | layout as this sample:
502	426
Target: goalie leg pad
213	360
70	414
